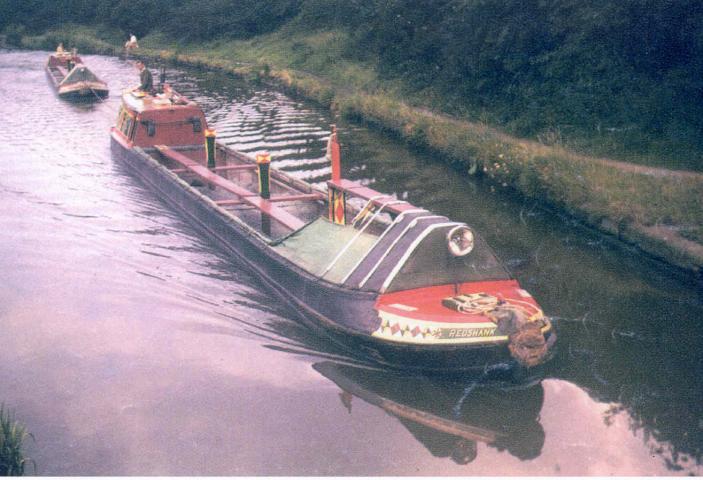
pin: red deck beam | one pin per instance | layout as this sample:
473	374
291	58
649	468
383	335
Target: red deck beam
249	197
358	190
220	169
277	198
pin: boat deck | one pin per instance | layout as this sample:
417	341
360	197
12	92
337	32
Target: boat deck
233	185
244	196
57	73
316	246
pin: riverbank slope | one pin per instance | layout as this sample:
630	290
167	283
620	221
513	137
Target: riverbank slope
658	210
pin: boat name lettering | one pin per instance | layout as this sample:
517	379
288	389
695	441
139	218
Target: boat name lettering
467	332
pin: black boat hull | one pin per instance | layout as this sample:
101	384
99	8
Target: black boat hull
346	316
89	94
76	92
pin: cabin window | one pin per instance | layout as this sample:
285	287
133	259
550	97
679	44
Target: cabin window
150	126
125	122
197	125
127	126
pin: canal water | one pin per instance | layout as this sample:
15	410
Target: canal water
131	345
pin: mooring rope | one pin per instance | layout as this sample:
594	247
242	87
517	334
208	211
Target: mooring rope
96	95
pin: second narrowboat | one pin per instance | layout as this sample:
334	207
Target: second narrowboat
72	79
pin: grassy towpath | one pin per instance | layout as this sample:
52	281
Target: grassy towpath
658	210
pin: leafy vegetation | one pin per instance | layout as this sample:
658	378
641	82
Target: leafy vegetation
620	79
12	436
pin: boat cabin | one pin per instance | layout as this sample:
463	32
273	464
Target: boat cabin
64	60
164	119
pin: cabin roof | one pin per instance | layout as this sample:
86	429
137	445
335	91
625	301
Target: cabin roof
142	102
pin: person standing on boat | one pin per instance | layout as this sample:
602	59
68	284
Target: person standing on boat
145	77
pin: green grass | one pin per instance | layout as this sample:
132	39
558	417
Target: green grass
102	41
694	234
12	437
585	186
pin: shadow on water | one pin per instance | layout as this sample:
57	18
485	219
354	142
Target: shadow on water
446	417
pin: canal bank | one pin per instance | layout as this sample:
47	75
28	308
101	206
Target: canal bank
657	210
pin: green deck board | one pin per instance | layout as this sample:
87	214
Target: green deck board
315	246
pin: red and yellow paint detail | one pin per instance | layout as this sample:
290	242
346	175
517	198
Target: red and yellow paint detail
405	330
418	316
337	205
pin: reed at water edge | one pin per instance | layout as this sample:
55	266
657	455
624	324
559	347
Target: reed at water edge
12	437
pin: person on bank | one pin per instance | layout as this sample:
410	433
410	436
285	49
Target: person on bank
131	44
147	81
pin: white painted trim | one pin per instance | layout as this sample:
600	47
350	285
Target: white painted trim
411	249
395	220
395	242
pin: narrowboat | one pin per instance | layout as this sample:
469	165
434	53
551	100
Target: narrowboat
72	79
412	288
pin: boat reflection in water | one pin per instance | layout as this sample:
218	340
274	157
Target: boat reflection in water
448	414
449	418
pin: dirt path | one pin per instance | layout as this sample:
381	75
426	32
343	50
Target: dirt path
624	166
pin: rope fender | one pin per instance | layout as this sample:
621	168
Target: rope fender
526	341
527	345
522	323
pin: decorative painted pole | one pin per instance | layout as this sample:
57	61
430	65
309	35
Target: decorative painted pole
337	204
336	196
210	147
333	153
263	162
